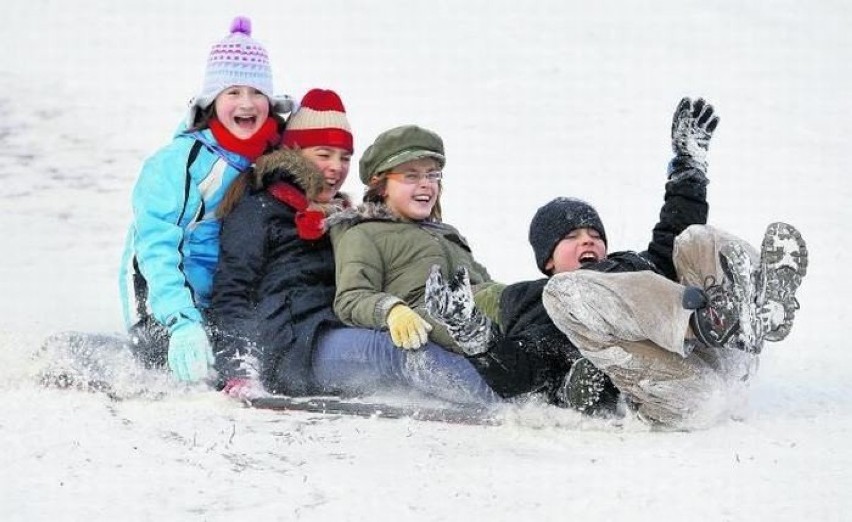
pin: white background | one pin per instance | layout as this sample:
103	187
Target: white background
534	100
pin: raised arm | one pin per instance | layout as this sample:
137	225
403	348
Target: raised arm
685	201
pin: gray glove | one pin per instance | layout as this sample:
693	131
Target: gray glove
451	304
692	127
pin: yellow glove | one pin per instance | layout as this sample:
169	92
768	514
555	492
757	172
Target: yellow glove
408	330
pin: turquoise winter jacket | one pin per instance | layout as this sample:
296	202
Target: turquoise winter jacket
172	246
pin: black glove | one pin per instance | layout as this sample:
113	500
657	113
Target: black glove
451	304
693	125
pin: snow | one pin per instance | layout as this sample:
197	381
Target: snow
534	100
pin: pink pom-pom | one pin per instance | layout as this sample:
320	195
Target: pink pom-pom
241	24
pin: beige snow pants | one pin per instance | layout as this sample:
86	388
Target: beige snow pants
633	327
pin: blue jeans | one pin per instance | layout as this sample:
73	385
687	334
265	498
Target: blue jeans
362	361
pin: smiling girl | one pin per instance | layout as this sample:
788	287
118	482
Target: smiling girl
274	285
385	249
173	243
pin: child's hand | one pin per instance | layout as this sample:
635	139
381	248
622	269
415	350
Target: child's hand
451	304
692	127
408	330
190	355
451	300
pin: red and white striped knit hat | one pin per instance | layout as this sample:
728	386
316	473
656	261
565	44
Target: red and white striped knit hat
319	121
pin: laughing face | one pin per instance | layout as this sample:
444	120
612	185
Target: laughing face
333	164
579	247
410	192
242	110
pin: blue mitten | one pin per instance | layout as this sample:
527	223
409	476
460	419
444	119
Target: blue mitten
190	354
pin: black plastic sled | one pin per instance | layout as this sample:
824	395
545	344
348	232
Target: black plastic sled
470	415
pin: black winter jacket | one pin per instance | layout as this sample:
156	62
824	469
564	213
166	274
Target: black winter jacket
273	291
531	354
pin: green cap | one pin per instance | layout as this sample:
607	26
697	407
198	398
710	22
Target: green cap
400	145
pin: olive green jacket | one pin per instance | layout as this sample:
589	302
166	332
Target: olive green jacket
382	260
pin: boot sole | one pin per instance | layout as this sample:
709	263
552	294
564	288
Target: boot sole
739	269
783	264
583	386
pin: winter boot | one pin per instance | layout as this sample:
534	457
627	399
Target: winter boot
783	264
727	314
587	389
451	304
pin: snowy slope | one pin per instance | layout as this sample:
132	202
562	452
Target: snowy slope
551	98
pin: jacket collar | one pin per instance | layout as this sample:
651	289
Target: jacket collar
373	212
289	166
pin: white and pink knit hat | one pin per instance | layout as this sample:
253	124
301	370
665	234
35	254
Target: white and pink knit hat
319	121
237	60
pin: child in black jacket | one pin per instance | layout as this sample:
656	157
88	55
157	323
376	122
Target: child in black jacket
624	319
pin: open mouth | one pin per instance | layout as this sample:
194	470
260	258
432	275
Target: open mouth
245	122
588	258
422	198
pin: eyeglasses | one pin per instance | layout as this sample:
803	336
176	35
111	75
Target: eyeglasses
413	178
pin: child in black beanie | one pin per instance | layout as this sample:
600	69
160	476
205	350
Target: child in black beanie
624	323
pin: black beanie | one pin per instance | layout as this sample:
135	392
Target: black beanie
556	220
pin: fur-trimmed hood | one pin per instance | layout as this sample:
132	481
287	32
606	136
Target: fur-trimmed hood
366	212
288	165
361	213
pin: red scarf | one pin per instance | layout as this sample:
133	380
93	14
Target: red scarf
253	147
309	222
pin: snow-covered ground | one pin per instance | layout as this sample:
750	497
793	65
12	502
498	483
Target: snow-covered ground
534	100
